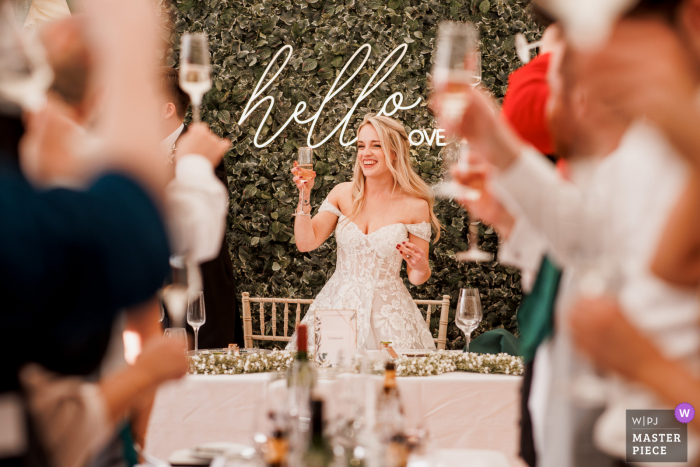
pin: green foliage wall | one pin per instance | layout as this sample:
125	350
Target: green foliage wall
245	34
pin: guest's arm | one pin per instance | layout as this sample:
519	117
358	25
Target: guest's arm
677	258
601	331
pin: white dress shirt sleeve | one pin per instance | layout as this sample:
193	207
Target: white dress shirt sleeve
197	207
524	249
552	206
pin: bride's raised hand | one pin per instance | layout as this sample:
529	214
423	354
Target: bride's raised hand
414	256
303	178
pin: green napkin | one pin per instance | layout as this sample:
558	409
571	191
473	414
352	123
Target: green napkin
496	341
536	312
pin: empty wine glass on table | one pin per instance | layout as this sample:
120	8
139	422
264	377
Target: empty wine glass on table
195	70
468	314
196	315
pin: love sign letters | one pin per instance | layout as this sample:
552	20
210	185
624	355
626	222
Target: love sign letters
391	105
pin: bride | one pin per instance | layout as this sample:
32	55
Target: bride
381	218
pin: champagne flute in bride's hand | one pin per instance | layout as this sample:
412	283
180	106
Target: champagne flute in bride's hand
305	165
195	71
468	314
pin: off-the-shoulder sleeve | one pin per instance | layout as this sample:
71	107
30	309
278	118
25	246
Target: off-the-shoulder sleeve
421	230
327	206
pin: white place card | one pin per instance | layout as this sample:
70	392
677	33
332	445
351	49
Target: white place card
335	334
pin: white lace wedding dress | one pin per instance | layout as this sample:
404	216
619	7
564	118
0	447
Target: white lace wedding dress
366	279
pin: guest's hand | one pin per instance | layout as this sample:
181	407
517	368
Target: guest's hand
163	360
46	148
199	139
604	334
414	256
303	178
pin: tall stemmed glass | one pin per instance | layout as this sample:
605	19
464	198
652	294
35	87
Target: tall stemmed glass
468	314
25	75
195	71
305	161
196	315
523	47
457	70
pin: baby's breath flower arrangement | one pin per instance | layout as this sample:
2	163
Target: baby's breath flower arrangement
435	363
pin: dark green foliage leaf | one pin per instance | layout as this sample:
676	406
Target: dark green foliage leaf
243	37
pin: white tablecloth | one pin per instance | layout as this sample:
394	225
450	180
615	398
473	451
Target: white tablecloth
461	410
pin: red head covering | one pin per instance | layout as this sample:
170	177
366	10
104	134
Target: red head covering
525	102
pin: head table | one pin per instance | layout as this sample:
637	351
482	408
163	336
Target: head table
460	410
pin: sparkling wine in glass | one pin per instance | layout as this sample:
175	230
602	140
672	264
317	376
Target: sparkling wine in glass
305	161
196	315
468	314
456	71
25	75
195	70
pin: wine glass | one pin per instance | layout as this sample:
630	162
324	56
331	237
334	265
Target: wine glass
177	333
305	161
468	314
195	71
196	316
523	47
457	69
25	75
474	254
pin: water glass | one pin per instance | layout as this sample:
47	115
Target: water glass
468	314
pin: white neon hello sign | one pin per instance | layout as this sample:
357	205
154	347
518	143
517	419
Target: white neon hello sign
396	99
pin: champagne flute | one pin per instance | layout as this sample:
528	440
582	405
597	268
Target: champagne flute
474	254
196	316
523	47
177	333
305	161
456	71
195	70
468	314
25	75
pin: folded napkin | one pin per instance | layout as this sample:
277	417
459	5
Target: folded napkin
496	341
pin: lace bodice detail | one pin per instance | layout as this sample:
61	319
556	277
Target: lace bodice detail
367	279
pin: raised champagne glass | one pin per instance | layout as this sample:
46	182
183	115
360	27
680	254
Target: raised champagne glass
195	70
305	162
523	47
457	70
25	75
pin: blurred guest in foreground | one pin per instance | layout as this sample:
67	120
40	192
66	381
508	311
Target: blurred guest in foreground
612	216
202	205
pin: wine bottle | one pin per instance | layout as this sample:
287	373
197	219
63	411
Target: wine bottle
301	382
277	449
319	452
390	421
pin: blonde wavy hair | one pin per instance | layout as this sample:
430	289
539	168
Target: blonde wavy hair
393	138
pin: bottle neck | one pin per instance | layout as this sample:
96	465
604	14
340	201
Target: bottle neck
302	356
390	379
